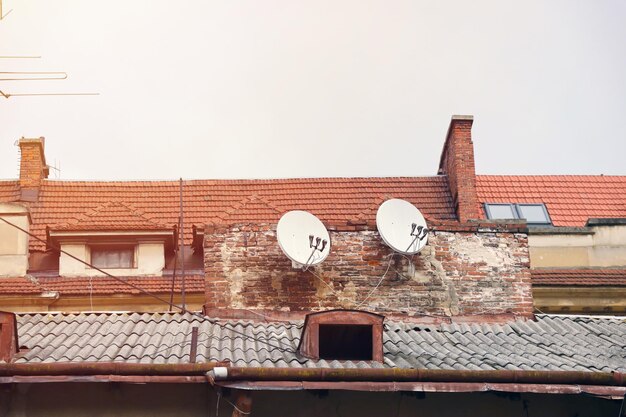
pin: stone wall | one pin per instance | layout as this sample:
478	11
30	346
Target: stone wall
457	274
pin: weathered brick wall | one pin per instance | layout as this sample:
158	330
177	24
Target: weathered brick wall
457	273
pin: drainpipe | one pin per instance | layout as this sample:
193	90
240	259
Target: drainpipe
418	375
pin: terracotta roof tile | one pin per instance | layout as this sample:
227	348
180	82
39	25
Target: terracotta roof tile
103	285
9	191
579	277
113	215
99	285
570	199
19	286
216	201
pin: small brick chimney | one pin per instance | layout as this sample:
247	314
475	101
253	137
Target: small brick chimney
33	167
457	162
8	336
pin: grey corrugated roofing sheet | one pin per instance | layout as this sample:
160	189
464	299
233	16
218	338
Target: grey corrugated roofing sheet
547	343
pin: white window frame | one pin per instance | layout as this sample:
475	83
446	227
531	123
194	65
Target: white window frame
517	212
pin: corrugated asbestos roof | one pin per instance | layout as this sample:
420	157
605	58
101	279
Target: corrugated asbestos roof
549	343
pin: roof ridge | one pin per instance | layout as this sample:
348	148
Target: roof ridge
237	180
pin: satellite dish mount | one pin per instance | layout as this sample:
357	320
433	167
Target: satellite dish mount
402	227
303	238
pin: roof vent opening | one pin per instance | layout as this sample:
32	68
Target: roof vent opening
345	342
343	335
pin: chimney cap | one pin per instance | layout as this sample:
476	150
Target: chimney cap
462	117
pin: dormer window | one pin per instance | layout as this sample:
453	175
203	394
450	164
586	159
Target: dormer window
133	246
343	335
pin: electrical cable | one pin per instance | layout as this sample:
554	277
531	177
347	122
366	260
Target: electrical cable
149	294
236	408
377	285
324	282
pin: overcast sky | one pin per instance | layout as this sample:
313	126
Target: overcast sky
267	89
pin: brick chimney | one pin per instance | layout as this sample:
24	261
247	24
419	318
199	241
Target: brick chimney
457	162
33	167
8	336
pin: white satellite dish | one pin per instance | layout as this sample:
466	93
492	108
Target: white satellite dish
303	238
402	226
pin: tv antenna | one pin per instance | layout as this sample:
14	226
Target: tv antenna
303	238
402	226
2	15
12	76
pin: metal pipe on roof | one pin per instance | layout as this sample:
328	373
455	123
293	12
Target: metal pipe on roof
107	368
419	375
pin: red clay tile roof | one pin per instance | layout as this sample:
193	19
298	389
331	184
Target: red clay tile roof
579	277
101	285
9	191
113	215
18	286
333	200
570	199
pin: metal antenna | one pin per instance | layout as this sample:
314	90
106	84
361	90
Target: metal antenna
7	95
2	16
18	56
182	244
45	75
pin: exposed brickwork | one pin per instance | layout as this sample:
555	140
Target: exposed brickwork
458	273
33	166
457	162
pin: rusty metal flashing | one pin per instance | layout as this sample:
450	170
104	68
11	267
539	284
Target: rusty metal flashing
596	390
9	344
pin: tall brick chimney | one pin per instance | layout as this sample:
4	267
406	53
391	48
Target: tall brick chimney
457	162
33	167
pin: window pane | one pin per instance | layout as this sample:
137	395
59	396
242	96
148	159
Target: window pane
112	258
533	213
500	211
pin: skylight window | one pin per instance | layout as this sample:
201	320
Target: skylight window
533	213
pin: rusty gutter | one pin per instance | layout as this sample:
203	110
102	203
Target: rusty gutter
107	368
132	379
419	375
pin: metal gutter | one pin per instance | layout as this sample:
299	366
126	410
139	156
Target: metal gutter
131	379
419	375
107	368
